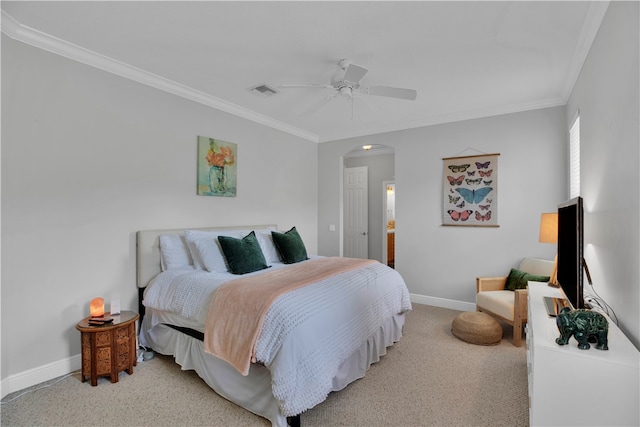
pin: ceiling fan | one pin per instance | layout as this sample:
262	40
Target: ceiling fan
348	86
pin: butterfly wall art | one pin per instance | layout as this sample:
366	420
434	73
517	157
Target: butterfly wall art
471	191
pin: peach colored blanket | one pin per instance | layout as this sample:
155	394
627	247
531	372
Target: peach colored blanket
238	307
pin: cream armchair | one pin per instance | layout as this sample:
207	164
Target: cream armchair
510	306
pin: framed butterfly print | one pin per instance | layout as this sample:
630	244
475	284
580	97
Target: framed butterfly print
471	191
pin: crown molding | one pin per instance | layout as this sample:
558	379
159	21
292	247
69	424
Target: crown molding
592	21
451	118
17	31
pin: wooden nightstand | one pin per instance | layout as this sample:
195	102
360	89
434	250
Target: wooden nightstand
110	348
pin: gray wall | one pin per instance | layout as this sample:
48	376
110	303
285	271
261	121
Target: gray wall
607	96
89	158
440	263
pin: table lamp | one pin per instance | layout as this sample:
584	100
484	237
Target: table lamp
96	308
549	234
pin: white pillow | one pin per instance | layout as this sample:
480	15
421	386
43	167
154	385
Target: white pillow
207	254
174	252
210	253
268	247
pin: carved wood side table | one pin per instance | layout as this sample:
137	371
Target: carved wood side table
110	348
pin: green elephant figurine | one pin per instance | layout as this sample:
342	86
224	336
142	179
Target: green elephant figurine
583	325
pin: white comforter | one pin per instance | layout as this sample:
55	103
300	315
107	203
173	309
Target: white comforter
307	333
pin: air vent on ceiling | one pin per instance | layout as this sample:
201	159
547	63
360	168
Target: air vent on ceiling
263	90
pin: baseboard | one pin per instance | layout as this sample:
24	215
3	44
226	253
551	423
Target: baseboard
53	370
443	302
40	374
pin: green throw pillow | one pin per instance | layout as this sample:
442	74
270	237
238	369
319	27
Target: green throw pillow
290	246
518	279
243	255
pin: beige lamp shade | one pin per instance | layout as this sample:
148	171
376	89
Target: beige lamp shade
549	228
549	234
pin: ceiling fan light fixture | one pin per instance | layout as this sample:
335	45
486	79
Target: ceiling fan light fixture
263	90
346	91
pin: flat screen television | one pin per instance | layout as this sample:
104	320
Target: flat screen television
571	251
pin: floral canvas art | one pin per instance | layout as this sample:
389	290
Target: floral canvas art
217	167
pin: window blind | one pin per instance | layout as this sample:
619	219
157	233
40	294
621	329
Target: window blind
574	158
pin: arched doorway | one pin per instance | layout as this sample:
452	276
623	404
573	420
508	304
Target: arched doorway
379	161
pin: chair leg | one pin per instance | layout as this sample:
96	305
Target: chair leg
519	315
517	334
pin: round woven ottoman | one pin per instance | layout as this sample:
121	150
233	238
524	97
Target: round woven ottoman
476	327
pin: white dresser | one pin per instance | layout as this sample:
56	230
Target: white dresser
573	387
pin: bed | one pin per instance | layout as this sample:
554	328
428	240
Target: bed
311	338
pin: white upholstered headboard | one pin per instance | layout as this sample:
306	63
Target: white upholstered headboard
148	249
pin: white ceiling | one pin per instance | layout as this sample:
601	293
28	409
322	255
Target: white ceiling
465	59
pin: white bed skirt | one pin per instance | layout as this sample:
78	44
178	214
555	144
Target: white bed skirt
253	392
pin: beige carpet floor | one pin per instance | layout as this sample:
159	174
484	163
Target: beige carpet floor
429	378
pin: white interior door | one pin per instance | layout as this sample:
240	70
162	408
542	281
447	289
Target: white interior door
356	213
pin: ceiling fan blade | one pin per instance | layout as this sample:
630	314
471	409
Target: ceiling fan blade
354	73
319	86
393	92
